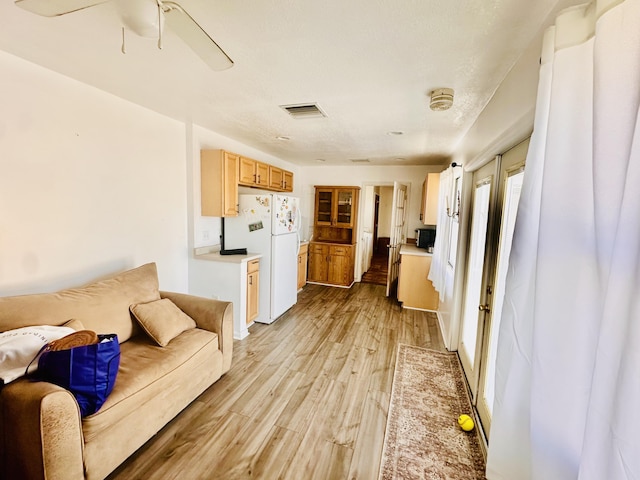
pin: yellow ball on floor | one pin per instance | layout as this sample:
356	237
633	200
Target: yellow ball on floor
466	423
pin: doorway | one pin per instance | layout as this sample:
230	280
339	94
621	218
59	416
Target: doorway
375	233
376	263
494	203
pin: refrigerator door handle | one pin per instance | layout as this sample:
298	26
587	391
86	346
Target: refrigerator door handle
298	237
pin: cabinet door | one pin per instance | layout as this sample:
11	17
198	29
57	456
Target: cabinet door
262	174
430	192
287	178
415	290
246	171
340	265
344	203
253	289
231	161
219	183
318	262
324	207
302	266
275	178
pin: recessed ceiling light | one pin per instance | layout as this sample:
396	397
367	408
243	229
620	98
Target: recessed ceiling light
283	138
360	160
400	159
320	160
395	133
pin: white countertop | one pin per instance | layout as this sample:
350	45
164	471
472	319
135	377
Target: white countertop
210	254
407	249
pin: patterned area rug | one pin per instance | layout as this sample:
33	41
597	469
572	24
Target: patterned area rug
423	439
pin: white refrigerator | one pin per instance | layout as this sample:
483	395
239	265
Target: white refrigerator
269	225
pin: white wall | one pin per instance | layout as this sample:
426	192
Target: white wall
368	205
89	184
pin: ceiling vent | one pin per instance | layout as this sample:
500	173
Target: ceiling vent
304	110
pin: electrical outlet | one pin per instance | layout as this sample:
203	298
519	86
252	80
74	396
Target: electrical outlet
205	235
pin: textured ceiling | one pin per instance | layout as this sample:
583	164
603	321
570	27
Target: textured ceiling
369	64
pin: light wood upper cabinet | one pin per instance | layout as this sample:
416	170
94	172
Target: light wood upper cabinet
262	175
246	172
287	178
253	173
219	183
276	181
429	205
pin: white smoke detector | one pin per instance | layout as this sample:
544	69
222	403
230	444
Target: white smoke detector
441	99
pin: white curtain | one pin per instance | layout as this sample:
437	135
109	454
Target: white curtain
568	364
438	270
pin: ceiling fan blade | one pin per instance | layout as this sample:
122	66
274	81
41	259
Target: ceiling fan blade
193	35
54	8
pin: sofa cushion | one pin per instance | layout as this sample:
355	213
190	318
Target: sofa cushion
101	306
162	320
143	365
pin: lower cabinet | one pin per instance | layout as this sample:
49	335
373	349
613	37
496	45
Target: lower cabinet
303	255
415	290
331	264
234	278
253	290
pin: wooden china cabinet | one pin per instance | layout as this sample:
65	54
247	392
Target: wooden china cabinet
332	251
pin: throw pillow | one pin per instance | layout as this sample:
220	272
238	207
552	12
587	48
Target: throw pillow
162	320
73	323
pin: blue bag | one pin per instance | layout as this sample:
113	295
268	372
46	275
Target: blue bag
88	371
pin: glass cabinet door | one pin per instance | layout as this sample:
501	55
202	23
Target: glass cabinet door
324	207
344	213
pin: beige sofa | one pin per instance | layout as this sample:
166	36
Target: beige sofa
41	432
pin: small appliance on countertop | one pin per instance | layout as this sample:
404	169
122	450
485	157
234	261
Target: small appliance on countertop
426	238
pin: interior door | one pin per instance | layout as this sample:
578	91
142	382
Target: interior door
476	295
398	215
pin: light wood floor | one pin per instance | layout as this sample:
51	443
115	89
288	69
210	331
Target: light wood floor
306	397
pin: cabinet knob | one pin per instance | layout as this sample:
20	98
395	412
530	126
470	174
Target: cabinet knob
484	308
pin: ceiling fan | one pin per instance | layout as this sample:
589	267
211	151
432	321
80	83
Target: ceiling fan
146	18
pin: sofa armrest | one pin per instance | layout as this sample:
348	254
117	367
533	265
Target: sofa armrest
41	431
213	315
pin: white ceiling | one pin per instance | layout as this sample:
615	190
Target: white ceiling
369	64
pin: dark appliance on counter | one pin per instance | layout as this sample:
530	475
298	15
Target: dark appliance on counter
426	237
